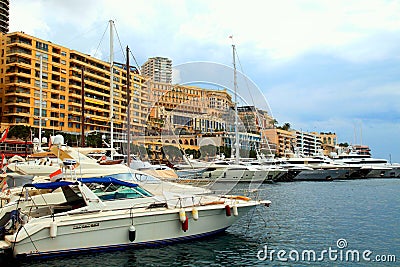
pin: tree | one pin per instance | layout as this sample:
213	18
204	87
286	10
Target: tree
20	132
274	122
172	153
286	126
208	151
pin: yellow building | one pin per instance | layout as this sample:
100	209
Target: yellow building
328	142
61	67
283	140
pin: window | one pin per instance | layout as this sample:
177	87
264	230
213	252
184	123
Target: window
44	84
44	66
45	56
63	62
63	53
42	46
62	97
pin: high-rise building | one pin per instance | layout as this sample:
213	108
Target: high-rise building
24	57
158	69
4	15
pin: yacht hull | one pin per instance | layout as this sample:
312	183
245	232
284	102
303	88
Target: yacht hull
110	230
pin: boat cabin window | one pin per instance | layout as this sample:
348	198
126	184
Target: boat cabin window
112	192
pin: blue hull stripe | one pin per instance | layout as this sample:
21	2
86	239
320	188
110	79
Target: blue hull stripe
156	243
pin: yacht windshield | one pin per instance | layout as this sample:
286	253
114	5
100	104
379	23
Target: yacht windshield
112	192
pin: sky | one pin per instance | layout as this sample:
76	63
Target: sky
325	66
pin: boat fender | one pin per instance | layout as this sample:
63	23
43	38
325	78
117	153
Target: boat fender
195	214
185	224
228	210
182	215
132	233
53	229
235	210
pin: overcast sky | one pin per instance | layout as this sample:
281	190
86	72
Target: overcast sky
330	66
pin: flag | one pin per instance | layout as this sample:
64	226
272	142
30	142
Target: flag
4	136
57	175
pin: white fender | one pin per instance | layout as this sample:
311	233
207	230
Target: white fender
235	210
53	229
195	214
182	215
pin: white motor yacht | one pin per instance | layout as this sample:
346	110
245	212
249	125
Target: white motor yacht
96	214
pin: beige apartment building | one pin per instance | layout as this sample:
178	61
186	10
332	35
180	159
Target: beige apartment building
283	140
24	57
188	108
328	142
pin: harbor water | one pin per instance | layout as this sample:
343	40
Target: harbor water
345	223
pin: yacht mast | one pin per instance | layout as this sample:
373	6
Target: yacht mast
111	86
236	108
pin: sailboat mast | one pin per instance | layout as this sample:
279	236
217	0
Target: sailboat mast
40	102
111	86
83	108
128	95
236	108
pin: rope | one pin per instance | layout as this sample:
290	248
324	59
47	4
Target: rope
101	40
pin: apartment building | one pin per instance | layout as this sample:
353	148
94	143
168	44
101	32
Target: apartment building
284	141
4	15
254	119
307	144
158	69
328	142
190	108
24	58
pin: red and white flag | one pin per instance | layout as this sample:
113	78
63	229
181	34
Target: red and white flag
57	175
4	135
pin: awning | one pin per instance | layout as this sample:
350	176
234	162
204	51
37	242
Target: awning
50	185
106	180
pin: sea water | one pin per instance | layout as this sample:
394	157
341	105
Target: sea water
339	223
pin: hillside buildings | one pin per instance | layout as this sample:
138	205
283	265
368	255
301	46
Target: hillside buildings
42	82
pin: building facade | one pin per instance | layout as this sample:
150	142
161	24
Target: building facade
328	142
4	15
282	141
189	109
59	89
158	69
307	144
